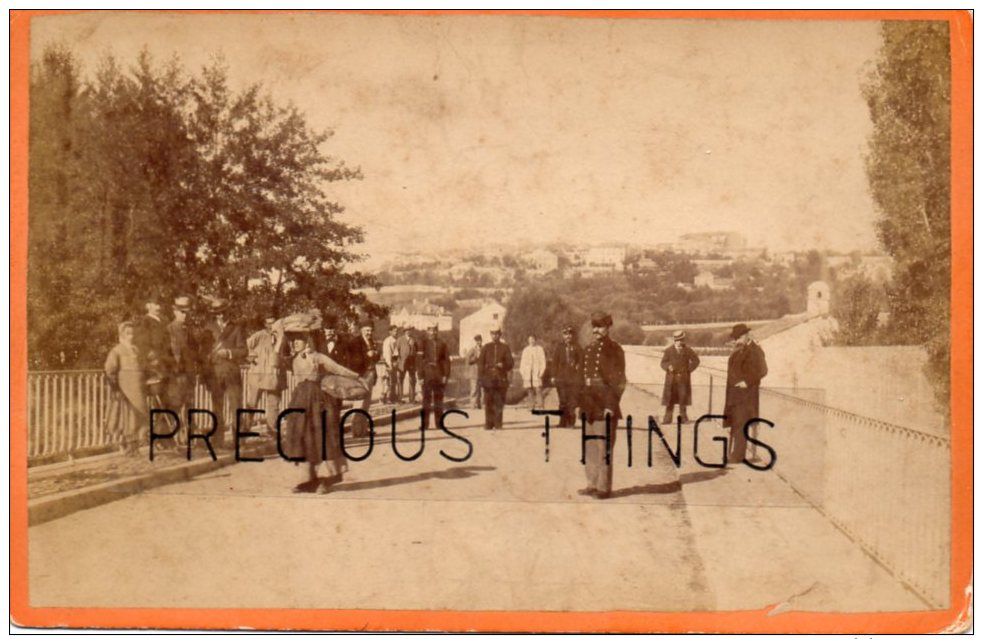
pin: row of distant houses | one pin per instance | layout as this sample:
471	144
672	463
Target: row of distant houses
420	315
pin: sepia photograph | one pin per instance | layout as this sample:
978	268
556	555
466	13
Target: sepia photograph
489	320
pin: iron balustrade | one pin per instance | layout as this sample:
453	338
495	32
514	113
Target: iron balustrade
67	410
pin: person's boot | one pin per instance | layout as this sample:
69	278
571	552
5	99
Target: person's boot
667	417
683	416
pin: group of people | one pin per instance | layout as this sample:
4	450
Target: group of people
157	363
592	380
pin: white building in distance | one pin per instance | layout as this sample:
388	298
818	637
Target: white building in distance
608	257
481	322
421	315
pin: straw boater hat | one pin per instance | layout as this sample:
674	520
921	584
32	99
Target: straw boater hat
679	335
217	305
182	303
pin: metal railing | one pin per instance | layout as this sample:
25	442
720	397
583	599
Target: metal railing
884	485
67	410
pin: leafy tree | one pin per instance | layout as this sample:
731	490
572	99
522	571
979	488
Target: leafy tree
908	94
855	307
539	311
148	180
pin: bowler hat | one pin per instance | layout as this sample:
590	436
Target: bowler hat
679	335
599	318
366	324
738	330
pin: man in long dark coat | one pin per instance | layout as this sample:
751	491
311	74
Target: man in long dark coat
184	355
224	344
746	367
434	370
567	364
153	344
494	371
604	384
678	361
363	353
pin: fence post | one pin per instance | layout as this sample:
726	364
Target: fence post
710	400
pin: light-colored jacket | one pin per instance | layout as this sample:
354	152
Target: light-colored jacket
389	351
471	356
265	366
532	366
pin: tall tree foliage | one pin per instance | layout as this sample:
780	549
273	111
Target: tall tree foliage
148	179
908	93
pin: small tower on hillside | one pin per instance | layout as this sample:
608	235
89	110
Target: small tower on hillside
817	299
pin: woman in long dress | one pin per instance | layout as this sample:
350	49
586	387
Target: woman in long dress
307	437
127	411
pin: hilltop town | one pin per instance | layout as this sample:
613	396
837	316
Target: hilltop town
701	278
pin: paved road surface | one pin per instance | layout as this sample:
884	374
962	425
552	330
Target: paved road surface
504	530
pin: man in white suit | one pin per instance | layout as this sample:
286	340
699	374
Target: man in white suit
532	367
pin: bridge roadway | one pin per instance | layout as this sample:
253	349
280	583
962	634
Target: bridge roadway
504	530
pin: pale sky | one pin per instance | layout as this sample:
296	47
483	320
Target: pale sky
554	129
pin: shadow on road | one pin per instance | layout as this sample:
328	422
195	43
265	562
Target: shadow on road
669	487
450	473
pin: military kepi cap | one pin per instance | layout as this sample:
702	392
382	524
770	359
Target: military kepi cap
738	330
600	318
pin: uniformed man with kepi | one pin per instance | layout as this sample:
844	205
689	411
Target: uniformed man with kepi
494	371
604	384
434	371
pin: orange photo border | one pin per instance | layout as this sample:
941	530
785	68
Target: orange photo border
956	617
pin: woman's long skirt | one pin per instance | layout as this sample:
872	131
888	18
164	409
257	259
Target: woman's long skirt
310	437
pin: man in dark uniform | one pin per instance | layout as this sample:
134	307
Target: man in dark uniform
604	383
678	361
746	367
434	371
225	348
494	369
567	365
